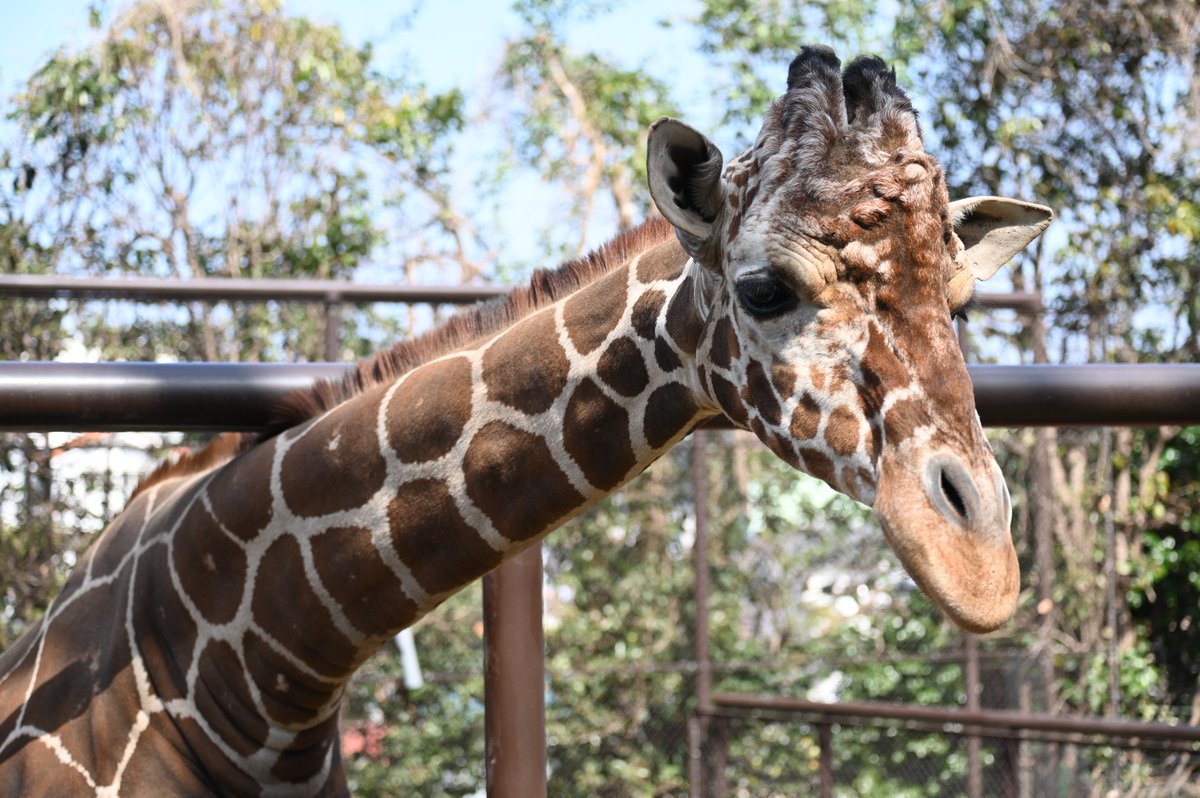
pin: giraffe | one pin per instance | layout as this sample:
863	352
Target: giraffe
805	290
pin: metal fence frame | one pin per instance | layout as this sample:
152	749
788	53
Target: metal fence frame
99	397
973	724
179	396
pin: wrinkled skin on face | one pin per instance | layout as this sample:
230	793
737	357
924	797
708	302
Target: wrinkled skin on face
832	263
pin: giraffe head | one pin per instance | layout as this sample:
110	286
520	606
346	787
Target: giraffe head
831	265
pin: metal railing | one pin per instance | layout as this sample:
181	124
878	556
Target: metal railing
229	396
330	293
1010	726
96	397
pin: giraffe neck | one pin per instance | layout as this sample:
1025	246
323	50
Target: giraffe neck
394	500
225	611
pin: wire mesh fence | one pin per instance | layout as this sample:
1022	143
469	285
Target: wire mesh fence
764	757
620	690
630	732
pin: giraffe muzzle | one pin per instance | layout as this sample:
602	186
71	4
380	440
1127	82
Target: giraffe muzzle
950	526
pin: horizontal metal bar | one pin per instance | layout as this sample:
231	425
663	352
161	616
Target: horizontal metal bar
154	289
217	289
98	397
188	397
1118	395
987	719
1025	301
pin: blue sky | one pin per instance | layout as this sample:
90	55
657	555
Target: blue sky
32	30
447	44
457	43
453	43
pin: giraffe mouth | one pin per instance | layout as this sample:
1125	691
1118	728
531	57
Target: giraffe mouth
953	538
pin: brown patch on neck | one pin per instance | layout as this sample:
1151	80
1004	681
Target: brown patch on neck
545	288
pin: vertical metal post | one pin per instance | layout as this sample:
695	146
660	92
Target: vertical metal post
718	744
971	680
1012	766
825	761
1021	769
1110	590
695	756
699	730
333	329
514	678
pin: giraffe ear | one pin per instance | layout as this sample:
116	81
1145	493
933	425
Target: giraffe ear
684	170
994	229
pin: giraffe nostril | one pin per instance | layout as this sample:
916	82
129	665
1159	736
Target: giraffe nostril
952	490
953	496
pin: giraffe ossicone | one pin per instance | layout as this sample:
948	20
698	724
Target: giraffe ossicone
805	290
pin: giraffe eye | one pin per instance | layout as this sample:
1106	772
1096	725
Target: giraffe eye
764	295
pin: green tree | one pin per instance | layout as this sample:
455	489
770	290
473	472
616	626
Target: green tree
1164	589
31	547
202	139
427	741
751	41
580	120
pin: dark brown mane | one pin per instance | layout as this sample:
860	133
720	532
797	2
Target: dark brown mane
481	321
225	446
545	287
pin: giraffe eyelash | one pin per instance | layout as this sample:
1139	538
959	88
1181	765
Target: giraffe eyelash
963	311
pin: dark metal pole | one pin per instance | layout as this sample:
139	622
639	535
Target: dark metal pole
1024	301
99	397
1110	590
825	761
1086	395
700	650
1007	720
152	289
333	329
717	735
514	678
1011	762
971	683
221	289
105	397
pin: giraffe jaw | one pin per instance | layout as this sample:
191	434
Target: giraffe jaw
968	568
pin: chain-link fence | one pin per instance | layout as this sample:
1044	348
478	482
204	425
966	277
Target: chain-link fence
770	755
